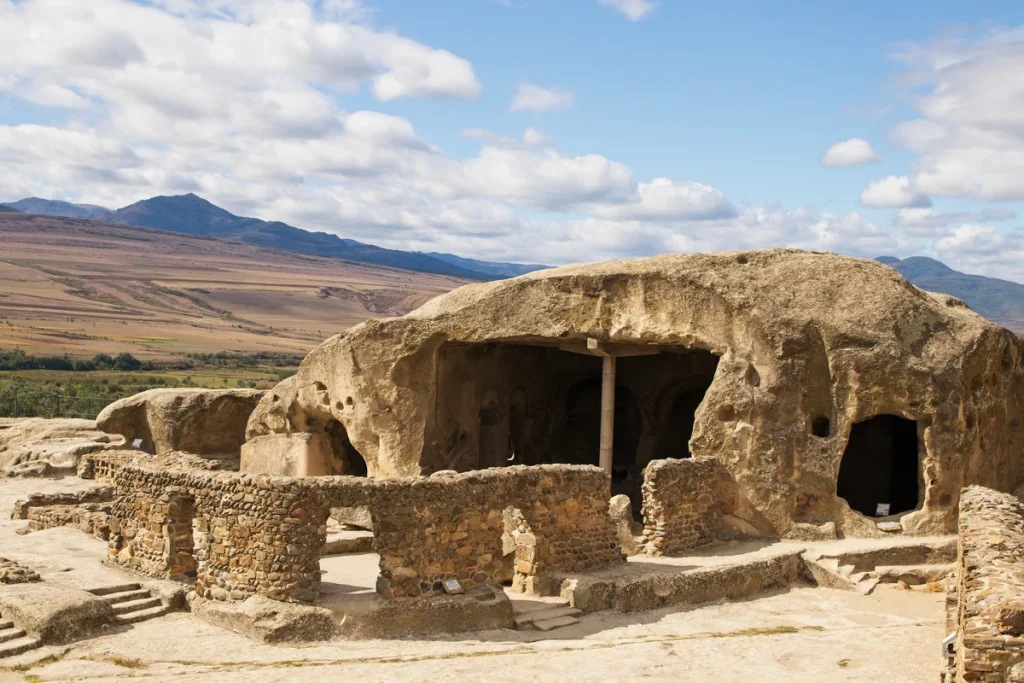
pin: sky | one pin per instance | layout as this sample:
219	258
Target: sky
542	131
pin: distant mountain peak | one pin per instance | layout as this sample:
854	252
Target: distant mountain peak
1000	301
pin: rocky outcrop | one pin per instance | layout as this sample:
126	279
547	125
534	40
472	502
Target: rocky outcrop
206	422
780	354
39	446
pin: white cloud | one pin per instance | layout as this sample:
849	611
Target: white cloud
536	98
240	102
634	10
193	59
852	152
969	135
892	192
983	249
927	222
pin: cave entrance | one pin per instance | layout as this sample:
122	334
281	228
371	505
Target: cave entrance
580	436
344	457
879	474
546	401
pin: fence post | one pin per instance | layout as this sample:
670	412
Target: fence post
56	412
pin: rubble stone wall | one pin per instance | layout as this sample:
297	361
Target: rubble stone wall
241	534
681	504
990	587
451	526
90	518
101	466
98	494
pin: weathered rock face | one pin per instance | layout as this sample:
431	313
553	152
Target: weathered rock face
799	372
35	445
207	422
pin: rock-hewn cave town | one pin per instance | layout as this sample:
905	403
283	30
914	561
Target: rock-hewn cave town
532	456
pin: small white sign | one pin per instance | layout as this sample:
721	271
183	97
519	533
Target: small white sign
452	587
882	510
137	443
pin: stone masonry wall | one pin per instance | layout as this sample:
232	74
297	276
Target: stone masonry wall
90	518
451	526
242	534
990	587
681	505
98	494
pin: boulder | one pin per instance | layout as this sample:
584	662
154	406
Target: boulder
766	360
206	422
53	613
35	446
269	621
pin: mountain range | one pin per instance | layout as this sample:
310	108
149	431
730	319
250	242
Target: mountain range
1001	301
194	215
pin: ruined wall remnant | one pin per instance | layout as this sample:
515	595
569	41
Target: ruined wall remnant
990	587
685	502
239	535
451	526
800	347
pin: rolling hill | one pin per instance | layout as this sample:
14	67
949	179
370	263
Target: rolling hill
52	207
194	215
1001	301
91	287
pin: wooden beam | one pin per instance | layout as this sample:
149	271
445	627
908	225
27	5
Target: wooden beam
596	347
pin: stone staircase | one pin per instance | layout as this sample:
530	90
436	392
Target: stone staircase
131	603
910	564
14	641
543	614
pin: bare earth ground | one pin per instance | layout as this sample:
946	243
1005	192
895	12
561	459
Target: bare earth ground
804	634
90	288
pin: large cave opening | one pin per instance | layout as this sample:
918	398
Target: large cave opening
501	404
879	474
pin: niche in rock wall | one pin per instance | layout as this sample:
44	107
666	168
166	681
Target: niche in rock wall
880	471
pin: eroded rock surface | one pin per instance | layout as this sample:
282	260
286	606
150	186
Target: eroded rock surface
206	422
776	363
39	446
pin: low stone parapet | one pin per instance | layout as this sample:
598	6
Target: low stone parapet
240	534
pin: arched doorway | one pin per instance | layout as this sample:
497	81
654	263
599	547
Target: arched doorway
879	473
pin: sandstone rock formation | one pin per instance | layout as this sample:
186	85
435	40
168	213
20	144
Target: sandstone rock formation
206	422
35	445
801	373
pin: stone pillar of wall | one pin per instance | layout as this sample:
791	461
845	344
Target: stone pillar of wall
146	524
680	505
990	587
259	535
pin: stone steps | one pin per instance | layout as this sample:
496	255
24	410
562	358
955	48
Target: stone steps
543	614
18	646
14	641
141	615
131	603
109	590
833	572
116	598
